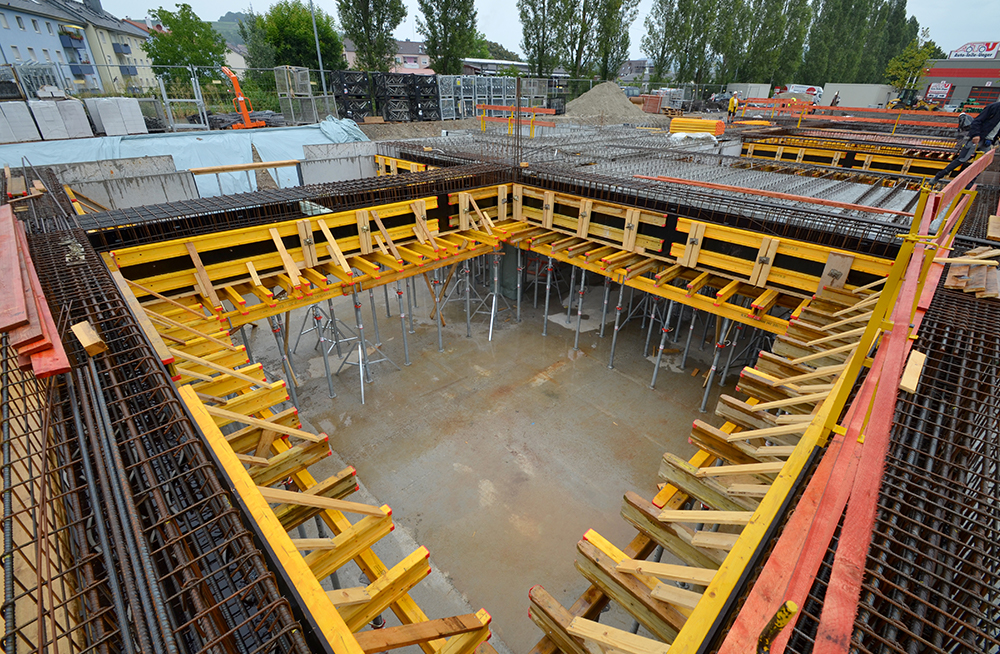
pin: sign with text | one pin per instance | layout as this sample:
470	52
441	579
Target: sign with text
939	90
976	50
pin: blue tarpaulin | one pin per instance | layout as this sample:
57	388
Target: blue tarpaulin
194	150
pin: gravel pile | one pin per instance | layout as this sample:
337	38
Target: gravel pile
607	100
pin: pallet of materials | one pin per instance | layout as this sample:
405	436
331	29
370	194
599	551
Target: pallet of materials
25	315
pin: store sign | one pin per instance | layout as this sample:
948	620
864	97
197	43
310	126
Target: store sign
977	50
939	90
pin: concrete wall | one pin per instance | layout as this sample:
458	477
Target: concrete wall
337	162
874	96
125	192
94	171
131	182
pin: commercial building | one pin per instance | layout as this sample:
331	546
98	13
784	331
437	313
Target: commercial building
971	73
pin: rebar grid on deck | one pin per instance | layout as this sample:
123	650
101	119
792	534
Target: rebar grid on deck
136	483
931	577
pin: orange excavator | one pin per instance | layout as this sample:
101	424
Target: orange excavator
243	102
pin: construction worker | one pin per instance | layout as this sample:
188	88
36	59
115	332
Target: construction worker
734	104
982	133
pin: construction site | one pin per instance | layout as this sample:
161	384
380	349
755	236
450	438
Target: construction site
591	384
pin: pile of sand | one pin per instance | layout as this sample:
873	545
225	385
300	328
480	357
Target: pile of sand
607	100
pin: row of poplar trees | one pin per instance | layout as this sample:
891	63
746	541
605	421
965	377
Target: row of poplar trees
721	41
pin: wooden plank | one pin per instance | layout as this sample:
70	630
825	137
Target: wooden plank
674	537
992	285
14	308
264	424
52	360
583	224
851	333
707	517
669	571
518	193
307	243
283	465
164	320
551	617
835	272
161	349
764	259
692	246
768	432
686	477
180	354
631	230
348	596
502	209
616	639
385	236
364	231
714	540
811	398
380	640
388	588
548	209
769	467
177	304
749	490
29	336
89	338
911	374
201	275
977	280
277	496
334	249
676	596
993	231
596	560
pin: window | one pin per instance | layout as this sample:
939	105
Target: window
59	56
46	53
48	26
17	53
34	25
3	21
102	37
31	53
20	23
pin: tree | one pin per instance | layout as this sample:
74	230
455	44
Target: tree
904	70
369	24
657	42
578	38
614	18
541	34
497	51
189	41
260	51
449	31
289	29
480	48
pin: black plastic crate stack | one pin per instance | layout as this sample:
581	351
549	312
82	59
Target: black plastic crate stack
353	91
424	101
392	97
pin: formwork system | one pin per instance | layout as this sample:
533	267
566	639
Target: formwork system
139	487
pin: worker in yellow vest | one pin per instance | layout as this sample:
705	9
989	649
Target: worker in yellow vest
734	104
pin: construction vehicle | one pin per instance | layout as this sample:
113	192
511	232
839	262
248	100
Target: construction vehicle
242	104
909	100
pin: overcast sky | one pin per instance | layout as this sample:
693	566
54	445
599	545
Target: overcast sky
951	23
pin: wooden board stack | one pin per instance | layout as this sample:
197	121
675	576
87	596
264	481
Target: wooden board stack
971	277
25	314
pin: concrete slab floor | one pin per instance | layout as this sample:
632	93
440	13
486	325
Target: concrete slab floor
498	456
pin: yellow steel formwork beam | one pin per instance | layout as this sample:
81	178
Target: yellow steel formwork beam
314	599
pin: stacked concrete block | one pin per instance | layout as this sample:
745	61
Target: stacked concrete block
74	118
49	120
19	121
